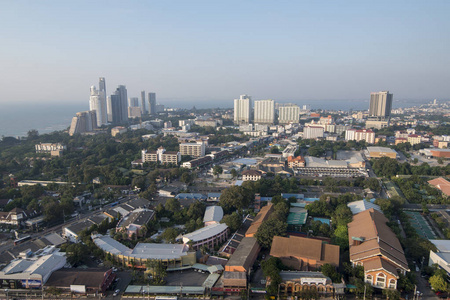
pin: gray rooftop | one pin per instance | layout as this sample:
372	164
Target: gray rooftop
205	232
213	213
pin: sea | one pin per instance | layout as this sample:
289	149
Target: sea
17	119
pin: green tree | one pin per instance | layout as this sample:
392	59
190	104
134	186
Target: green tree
268	230
172	205
234	173
170	234
438	281
217	170
233	221
330	271
157	270
77	253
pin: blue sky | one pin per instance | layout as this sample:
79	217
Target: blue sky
53	51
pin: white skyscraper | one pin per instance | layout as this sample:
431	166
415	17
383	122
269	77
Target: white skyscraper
242	109
289	113
264	112
97	102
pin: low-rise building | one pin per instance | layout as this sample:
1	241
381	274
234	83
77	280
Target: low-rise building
244	256
208	236
161	155
375	246
251	175
441	184
304	253
31	273
377	152
89	282
313	132
441	256
173	255
118	130
359	206
262	216
213	215
49	147
133	222
293	282
414	139
297	162
198	162
15	217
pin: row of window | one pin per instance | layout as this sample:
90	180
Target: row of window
381	281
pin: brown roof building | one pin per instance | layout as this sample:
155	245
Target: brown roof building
442	184
374	246
263	215
304	253
244	257
92	282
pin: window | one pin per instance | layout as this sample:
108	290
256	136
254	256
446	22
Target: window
369	279
392	284
381	280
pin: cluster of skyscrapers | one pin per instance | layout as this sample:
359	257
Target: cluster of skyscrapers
264	112
115	109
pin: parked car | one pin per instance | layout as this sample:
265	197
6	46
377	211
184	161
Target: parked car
116	292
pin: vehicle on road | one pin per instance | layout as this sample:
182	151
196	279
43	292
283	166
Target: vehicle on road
116	292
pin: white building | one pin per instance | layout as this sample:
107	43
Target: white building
49	147
264	112
97	103
360	135
288	114
161	155
242	109
442	255
32	272
313	132
197	149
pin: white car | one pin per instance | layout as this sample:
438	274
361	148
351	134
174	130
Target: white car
116	292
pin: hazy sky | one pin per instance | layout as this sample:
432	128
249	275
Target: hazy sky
216	50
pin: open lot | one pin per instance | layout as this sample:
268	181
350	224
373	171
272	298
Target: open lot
186	278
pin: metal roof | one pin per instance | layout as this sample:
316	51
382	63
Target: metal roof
213	213
205	232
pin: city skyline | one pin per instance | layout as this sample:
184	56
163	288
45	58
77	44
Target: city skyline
294	51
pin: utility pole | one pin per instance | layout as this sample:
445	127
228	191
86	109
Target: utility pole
365	286
415	291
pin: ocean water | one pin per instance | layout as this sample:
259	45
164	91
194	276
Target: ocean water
18	119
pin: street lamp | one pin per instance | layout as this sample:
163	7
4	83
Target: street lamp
6	292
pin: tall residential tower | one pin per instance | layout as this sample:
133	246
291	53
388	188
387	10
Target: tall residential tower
242	109
264	112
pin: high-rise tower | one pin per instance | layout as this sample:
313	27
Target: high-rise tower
380	104
264	112
379	110
152	103
97	102
242	109
121	91
144	110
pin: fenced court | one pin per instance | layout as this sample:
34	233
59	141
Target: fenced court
420	225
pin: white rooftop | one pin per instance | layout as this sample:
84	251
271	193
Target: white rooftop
205	232
316	162
34	268
442	246
159	251
358	206
213	214
142	250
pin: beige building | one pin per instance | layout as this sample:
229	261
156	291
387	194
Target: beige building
377	152
196	149
161	155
